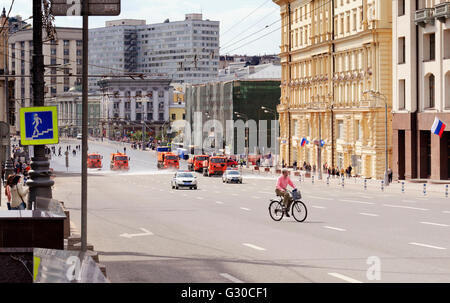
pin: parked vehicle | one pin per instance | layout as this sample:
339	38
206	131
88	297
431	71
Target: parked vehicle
184	179
79	136
119	161
217	165
232	176
94	160
197	163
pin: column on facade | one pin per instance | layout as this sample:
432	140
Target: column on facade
155	105
439	157
133	106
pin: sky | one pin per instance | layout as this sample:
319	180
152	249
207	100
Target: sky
241	22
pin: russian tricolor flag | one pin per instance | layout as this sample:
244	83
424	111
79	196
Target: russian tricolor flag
304	142
438	127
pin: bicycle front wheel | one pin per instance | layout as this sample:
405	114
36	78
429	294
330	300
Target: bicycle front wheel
299	211
276	211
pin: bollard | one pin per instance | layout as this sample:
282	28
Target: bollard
403	187
312	179
328	181
424	189
342	182
446	190
382	185
365	184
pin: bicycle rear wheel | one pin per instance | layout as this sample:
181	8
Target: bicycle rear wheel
299	211
276	211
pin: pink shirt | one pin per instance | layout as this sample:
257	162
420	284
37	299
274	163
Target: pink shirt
283	182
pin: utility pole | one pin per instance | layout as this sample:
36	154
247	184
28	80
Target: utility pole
9	166
319	151
40	183
84	141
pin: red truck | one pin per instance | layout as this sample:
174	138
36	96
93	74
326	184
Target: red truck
197	163
217	165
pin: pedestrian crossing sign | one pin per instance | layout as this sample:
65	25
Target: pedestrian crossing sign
39	125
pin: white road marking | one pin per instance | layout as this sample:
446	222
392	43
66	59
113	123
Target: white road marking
406	207
354	201
370	215
320	198
319	207
427	245
345	278
219	202
366	197
129	236
244	208
446	211
435	224
409	201
217	192
200	198
184	195
335	228
253	246
267	192
231	278
255	197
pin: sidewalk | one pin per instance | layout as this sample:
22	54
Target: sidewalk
364	185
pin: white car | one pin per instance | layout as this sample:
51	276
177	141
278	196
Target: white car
184	179
79	136
231	176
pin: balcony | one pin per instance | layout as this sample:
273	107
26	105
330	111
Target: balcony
442	11
424	16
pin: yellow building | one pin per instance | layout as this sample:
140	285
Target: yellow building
177	109
332	52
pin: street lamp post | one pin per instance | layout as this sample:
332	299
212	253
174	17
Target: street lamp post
384	98
268	110
239	115
143	134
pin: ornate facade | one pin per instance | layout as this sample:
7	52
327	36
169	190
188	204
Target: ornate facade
331	52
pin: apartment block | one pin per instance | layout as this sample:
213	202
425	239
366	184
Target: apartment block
421	88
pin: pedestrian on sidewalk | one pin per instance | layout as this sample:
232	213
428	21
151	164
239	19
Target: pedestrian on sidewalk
18	193
8	190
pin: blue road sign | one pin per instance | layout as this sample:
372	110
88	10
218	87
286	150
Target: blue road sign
39	125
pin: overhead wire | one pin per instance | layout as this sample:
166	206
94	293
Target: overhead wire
295	20
239	22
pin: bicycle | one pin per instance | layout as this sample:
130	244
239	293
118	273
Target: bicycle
298	208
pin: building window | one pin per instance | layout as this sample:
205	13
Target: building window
429	91
447	44
358	130
401	94
447	91
429	47
66	52
184	115
161	116
174	117
340	129
401	7
401	50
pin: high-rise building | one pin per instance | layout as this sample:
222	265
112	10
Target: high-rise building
187	51
332	52
62	58
421	88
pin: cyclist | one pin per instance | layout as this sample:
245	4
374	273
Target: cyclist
281	190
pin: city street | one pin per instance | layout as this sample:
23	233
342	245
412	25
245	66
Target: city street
146	232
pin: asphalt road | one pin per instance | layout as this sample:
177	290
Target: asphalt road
146	232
